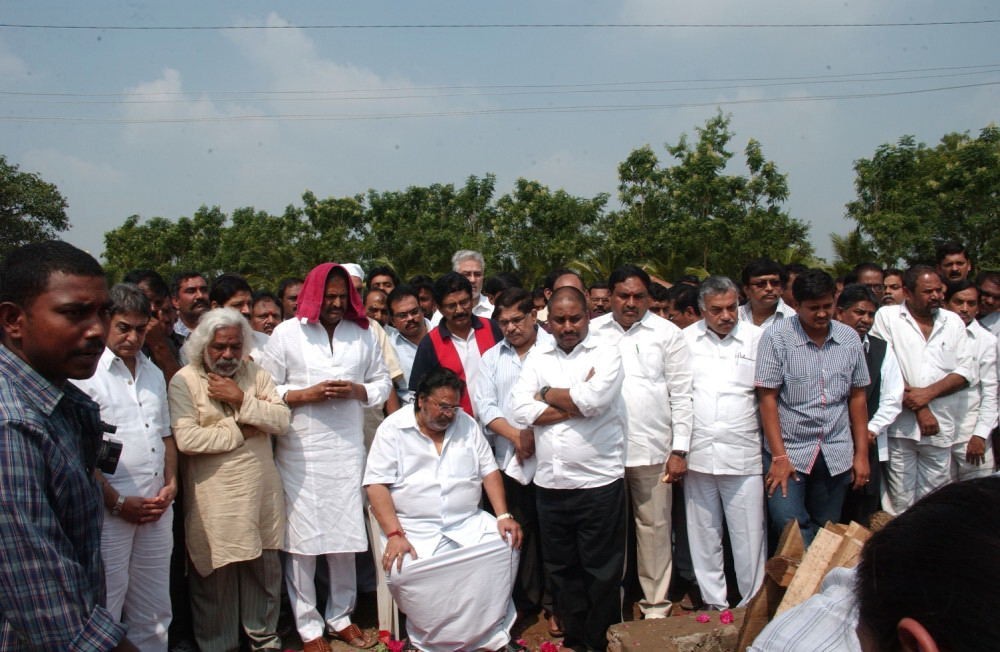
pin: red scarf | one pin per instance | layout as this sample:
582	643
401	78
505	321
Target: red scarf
314	290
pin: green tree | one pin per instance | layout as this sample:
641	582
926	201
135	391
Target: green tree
31	209
693	214
911	197
850	250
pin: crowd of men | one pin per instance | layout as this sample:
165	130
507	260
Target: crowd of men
634	421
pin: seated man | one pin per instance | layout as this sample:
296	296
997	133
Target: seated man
224	409
453	575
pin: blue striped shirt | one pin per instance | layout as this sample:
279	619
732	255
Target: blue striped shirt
814	384
51	577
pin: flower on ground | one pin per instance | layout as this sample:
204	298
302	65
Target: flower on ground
726	617
703	618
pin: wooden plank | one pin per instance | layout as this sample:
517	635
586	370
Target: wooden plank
790	544
847	553
759	612
812	570
781	569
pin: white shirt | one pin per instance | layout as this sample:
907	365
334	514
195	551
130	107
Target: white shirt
726	438
890	400
991	322
981	397
582	452
321	459
926	361
781	311
484	308
256	352
657	385
435	496
138	408
468	353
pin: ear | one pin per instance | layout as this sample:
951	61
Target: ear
12	320
215	304
913	637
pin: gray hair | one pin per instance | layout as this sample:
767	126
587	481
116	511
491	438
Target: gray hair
467	254
128	299
715	285
202	335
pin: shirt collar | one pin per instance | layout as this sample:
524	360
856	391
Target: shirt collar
804	338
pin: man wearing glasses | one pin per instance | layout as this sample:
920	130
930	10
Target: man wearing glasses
763	282
459	341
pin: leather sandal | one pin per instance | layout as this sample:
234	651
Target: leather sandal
316	645
353	636
555	630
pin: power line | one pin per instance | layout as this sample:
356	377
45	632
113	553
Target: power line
824	78
428	26
593	108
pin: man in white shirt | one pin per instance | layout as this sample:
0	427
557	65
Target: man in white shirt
724	450
137	536
657	396
570	391
513	440
764	282
937	361
989	301
328	366
971	454
472	266
856	308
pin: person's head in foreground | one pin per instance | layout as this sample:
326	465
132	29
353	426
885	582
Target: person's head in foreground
930	580
438	400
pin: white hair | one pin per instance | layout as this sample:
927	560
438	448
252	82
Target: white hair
467	254
204	333
714	285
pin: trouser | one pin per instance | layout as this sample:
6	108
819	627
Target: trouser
914	471
137	575
737	501
812	500
860	504
583	545
961	469
300	576
651	507
530	591
247	592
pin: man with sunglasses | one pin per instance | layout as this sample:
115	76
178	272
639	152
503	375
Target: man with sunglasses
763	283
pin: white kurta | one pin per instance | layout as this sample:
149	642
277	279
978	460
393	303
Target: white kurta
321	461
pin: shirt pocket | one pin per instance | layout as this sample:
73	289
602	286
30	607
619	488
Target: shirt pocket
460	464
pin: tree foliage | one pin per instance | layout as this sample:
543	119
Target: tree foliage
31	209
911	197
693	214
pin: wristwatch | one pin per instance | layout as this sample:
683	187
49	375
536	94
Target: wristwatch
681	454
117	509
543	391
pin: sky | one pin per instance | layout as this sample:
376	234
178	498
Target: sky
158	122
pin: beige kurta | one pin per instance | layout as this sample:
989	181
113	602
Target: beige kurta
233	502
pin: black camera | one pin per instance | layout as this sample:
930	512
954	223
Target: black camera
108	451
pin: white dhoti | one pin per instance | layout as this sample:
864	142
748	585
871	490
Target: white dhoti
459	598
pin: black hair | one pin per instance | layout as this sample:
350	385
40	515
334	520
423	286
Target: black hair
287	283
855	293
495	285
689	279
438	377
911	275
951	287
813	284
180	277
266	295
853	275
685	296
937	564
513	298
225	286
659	292
598	285
988	277
400	292
764	267
448	283
151	279
382	270
554	275
950	248
625	272
25	271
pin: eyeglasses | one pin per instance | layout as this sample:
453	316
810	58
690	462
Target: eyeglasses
876	287
464	303
513	321
766	282
444	407
398	314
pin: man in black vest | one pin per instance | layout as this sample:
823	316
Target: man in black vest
856	308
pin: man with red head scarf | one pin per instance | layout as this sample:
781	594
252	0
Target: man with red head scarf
328	366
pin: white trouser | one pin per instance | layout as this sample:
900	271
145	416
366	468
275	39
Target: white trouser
137	576
300	576
962	469
740	499
915	470
654	556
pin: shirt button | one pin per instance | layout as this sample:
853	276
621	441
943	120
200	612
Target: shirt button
147	425
152	450
130	382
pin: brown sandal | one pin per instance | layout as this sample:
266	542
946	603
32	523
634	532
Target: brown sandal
353	636
316	645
